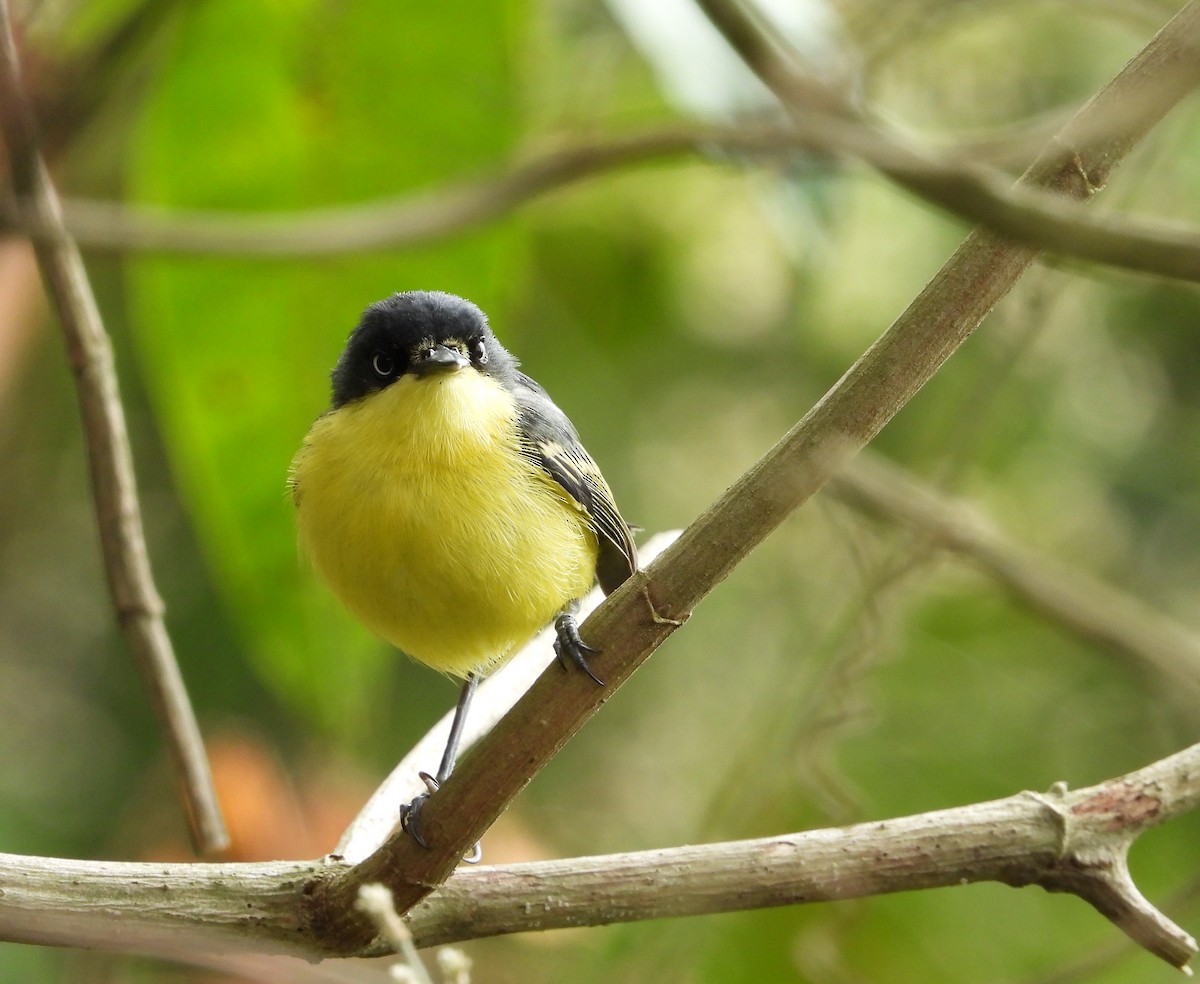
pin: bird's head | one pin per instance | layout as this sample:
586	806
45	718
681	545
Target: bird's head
421	334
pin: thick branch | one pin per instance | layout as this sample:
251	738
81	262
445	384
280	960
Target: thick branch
154	908
137	603
1064	841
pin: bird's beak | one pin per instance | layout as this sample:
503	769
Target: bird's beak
439	359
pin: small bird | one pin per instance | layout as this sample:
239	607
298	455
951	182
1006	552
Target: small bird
448	502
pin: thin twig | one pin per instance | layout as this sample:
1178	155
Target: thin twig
637	618
410	220
1074	599
139	608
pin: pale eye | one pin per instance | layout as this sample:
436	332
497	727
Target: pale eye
382	363
478	351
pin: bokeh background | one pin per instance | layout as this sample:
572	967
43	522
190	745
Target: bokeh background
685	312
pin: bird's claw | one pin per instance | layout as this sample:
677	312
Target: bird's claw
410	813
410	819
570	648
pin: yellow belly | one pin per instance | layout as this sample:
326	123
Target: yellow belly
415	507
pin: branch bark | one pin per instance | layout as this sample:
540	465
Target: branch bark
1065	841
138	606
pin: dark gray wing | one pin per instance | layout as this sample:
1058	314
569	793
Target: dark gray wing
549	439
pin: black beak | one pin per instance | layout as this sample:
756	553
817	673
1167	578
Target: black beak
439	359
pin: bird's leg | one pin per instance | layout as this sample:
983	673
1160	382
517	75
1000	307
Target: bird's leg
410	813
568	646
456	727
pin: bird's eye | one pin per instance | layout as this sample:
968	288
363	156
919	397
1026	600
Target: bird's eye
479	351
382	363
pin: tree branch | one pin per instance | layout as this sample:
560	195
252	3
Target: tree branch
956	181
1022	213
1077	841
1073	842
495	697
405	221
138	606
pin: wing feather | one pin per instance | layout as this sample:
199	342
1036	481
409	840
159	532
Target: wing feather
550	441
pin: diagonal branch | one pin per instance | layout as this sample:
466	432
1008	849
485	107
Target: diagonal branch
496	696
636	619
137	603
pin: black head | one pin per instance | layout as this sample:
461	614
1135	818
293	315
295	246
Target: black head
419	332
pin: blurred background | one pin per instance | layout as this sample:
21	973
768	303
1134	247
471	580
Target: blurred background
685	311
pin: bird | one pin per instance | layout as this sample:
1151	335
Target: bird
448	502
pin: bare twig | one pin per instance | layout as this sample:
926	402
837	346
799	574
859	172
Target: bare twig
409	220
1023	213
1076	600
955	181
1103	956
138	606
1064	841
636	619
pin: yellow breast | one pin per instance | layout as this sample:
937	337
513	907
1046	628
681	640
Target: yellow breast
416	508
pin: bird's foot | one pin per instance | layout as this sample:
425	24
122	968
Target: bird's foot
570	648
410	819
410	813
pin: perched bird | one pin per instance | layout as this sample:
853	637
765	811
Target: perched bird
447	501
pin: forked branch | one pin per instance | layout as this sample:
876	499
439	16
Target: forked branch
1064	841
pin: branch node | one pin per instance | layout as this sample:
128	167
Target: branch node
1090	186
657	614
151	609
1053	800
